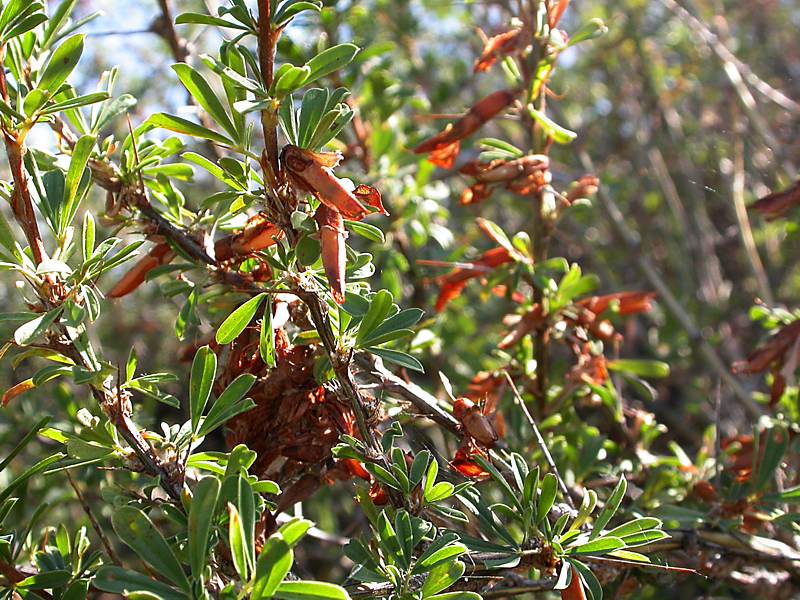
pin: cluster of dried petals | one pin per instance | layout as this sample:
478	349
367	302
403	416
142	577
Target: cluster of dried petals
524	175
778	204
312	172
780	355
453	283
443	148
257	234
589	369
498	46
295	422
585	313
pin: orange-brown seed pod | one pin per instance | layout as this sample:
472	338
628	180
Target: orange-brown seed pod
159	255
331	237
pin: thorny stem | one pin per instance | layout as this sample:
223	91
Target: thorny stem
21	204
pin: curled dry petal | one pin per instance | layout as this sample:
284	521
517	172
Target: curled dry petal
443	148
160	254
14	391
574	591
521	175
529	321
454	282
497	46
464	463
629	302
331	237
475	194
257	234
506	170
355	468
585	187
313	172
556	12
772	353
777	204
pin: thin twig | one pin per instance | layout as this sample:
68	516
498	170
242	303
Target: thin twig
112	554
540	440
746	232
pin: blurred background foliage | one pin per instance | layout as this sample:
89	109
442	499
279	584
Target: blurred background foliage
680	142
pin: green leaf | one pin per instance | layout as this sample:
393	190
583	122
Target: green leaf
601	545
239	319
61	63
644	537
367	231
790	495
39	467
203	19
204	368
442	577
76	102
201	91
311	590
610	508
77	167
245	504
27	333
88	235
229	404
459	595
179	125
237	541
294	530
588	31
201	515
398	358
126	582
137	531
430	477
440	491
642	368
291	79
24	442
330	60
560	135
266	339
273	565
46	580
774	451
547	496
446	553
292	8
418	467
